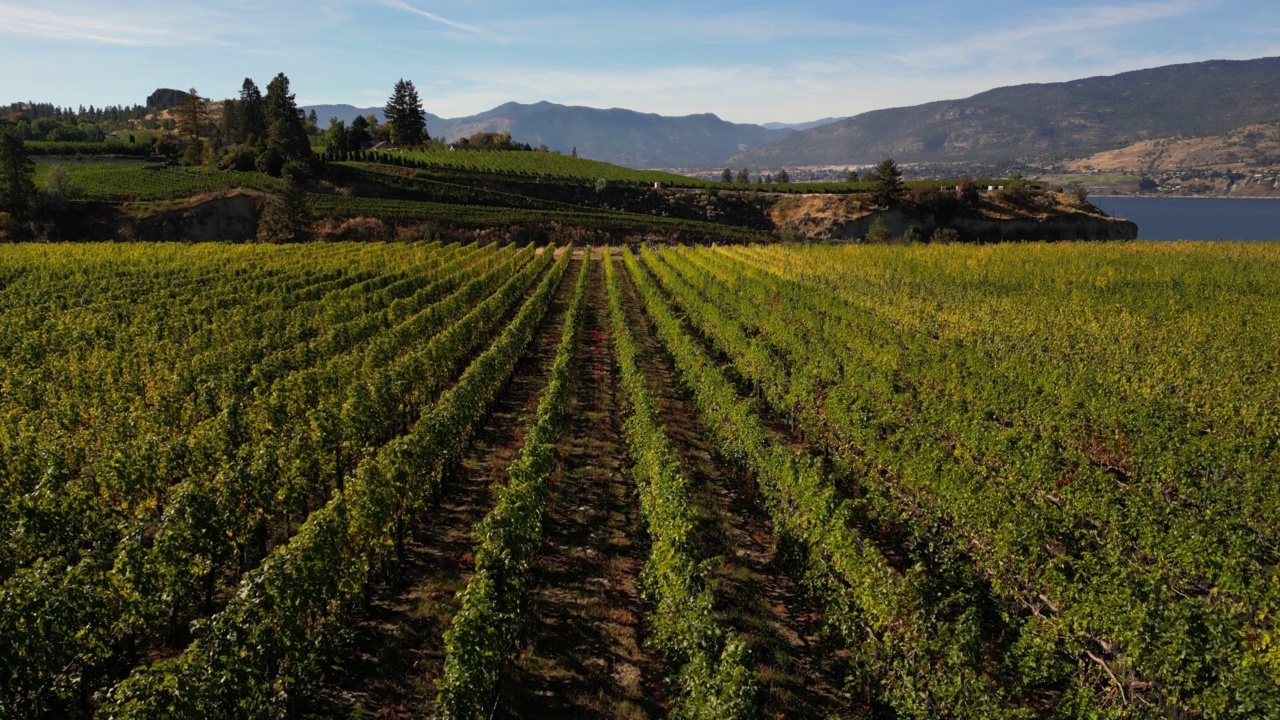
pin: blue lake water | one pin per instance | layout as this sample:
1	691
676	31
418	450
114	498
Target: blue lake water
1196	218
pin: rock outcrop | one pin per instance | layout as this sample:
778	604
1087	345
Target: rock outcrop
223	218
1051	216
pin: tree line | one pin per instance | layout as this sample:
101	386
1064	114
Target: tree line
51	123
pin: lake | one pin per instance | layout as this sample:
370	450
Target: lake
1197	218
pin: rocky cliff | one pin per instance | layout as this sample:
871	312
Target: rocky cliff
224	218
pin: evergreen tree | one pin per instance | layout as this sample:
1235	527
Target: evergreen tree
229	126
726	176
744	177
286	218
286	136
782	177
193	115
17	174
358	134
405	116
251	114
853	176
886	184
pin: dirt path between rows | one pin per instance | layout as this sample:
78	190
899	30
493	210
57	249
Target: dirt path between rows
398	652
583	654
799	672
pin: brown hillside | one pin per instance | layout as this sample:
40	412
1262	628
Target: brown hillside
1254	146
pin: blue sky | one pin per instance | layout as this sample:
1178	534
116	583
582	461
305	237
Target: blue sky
744	60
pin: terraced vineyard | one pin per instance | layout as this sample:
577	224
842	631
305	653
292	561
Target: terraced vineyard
433	480
559	168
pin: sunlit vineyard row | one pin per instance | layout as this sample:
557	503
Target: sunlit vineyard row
1010	481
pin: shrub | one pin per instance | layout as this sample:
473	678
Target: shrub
242	158
945	235
270	162
941	204
879	231
1020	192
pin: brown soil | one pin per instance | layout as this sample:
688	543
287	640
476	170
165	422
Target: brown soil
398	652
583	655
800	674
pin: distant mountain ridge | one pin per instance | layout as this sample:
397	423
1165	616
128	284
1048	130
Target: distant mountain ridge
347	113
803	125
623	137
1055	119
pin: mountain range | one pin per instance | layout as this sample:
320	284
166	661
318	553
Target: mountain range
1056	119
1067	119
803	125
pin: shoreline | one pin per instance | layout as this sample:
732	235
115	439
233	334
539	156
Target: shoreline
1182	197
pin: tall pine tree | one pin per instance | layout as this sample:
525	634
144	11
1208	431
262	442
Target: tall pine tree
405	116
251	114
193	116
886	183
359	133
287	140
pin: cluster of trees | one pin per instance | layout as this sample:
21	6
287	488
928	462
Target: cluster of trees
26	211
406	124
269	132
48	122
887	186
363	132
494	141
744	177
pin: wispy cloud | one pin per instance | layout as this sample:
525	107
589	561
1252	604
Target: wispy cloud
402	5
81	27
1076	28
609	25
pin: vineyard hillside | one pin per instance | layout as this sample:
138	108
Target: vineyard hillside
516	195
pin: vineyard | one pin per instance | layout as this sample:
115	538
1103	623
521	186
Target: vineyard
747	481
363	190
557	167
124	181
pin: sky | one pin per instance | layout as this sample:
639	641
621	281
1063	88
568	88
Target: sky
744	60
